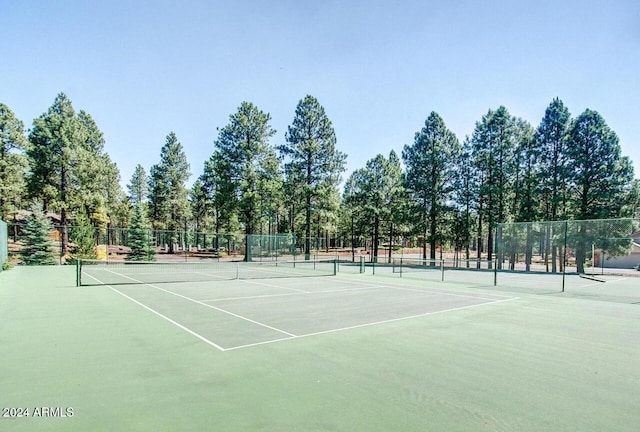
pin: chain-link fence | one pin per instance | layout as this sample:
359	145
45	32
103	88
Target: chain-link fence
529	257
583	247
117	243
603	245
4	244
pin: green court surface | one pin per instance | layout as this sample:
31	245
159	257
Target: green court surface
353	352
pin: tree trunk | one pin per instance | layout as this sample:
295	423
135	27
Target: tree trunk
390	241
63	213
528	249
376	236
432	233
479	242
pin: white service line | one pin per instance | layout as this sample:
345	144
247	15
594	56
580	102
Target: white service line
213	307
292	294
250	297
371	324
274	286
432	290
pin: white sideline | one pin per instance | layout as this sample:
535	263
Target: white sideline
177	324
208	305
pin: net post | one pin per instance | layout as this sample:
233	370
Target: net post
361	264
78	272
498	259
442	268
400	267
335	267
564	253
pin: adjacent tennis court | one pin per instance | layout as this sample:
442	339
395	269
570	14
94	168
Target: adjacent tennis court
278	347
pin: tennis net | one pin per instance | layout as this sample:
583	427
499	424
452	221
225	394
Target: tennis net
468	271
97	272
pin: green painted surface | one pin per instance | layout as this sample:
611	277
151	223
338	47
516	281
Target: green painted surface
537	363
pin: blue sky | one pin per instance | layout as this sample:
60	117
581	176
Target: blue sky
145	68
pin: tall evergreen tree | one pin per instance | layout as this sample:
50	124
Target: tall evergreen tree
551	140
245	158
220	189
138	186
201	206
168	196
374	194
38	249
313	163
601	178
493	143
526	180
270	184
98	178
70	172
355	219
397	199
526	201
13	164
55	143
430	177
600	175
466	187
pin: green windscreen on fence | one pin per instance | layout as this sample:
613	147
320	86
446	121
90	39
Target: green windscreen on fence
4	236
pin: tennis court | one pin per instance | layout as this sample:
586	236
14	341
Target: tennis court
237	313
622	286
270	348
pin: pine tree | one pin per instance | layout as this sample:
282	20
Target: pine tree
98	191
466	186
551	142
169	200
374	195
138	186
220	189
244	159
493	143
313	164
38	249
601	178
526	202
13	164
69	170
430	176
201	208
140	239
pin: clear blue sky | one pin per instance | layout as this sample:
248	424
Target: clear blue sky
145	68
